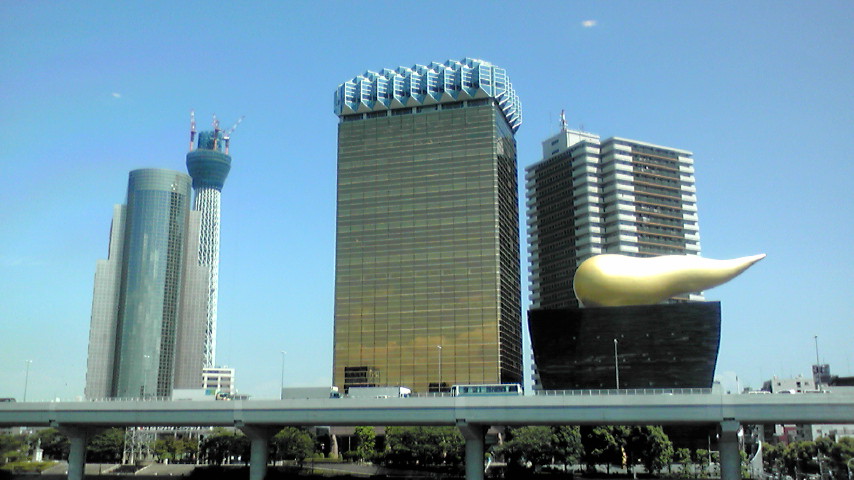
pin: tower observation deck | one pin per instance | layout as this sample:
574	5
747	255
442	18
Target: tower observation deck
208	163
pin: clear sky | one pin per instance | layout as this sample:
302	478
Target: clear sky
760	91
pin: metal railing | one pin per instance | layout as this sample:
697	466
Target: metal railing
626	391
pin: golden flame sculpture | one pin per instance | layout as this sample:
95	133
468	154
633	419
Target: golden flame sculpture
618	280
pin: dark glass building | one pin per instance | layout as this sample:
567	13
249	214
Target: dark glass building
642	346
427	289
158	203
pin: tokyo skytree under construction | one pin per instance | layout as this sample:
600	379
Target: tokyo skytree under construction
208	163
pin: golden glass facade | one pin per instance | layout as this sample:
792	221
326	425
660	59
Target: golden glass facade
427	281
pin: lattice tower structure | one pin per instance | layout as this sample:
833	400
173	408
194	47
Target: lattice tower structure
209	166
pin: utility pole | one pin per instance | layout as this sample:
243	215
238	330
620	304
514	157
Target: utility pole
616	364
440	367
282	388
27	378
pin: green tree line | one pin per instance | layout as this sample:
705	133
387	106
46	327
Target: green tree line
809	458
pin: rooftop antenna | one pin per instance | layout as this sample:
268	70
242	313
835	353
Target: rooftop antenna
216	131
562	121
192	128
227	135
817	362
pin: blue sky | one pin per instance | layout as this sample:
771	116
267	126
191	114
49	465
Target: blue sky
759	91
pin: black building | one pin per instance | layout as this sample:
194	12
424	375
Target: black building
657	346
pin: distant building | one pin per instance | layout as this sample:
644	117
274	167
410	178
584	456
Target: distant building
218	379
427	281
153	323
799	384
589	196
821	374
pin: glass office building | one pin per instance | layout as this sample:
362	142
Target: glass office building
149	296
427	290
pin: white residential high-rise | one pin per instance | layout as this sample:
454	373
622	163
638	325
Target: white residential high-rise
589	196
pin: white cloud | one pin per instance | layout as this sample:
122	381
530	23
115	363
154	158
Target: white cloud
14	261
588	23
117	95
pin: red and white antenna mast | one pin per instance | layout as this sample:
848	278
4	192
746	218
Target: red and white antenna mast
192	128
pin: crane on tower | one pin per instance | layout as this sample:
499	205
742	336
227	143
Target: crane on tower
227	135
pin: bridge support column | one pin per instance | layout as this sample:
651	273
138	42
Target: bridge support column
259	438
78	437
474	436
728	446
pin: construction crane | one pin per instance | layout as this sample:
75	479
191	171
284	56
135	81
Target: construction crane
227	135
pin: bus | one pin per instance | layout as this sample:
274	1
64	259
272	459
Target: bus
487	390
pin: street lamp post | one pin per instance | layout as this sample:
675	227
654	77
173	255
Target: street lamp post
849	468
440	367
146	372
282	388
27	378
616	365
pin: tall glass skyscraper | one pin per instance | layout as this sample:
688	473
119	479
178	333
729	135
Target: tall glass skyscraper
135	311
427	289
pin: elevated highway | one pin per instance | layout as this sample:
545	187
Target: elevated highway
260	419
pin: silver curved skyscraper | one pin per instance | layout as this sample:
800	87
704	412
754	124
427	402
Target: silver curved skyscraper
136	305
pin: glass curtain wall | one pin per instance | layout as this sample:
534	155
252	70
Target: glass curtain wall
157	209
427	250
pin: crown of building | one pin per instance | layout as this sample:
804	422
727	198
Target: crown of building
448	82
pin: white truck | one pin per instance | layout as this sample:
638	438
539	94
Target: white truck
378	392
303	393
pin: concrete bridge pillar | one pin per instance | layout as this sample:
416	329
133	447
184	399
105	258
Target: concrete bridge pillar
259	438
78	438
728	446
474	436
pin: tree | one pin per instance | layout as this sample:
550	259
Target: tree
702	458
435	446
222	445
292	443
682	456
169	448
603	445
566	442
54	444
650	446
10	447
366	439
528	447
106	447
838	454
